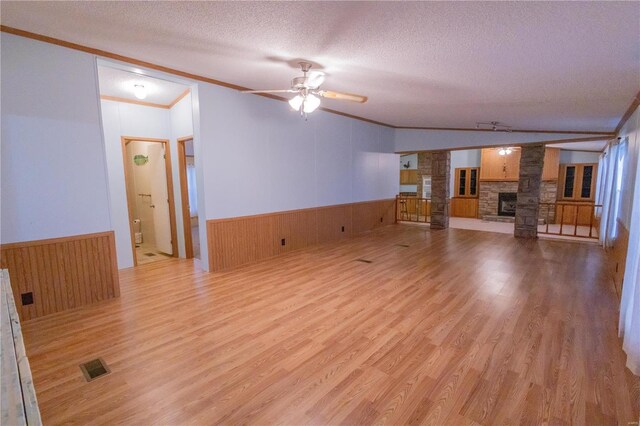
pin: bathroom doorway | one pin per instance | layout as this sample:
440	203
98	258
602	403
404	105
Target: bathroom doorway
189	195
147	172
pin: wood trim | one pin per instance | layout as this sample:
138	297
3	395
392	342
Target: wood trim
469	129
179	98
130	60
62	273
57	240
243	240
172	209
512	145
184	196
132	101
628	113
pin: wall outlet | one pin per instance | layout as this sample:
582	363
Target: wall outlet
27	298
343	229
283	242
381	220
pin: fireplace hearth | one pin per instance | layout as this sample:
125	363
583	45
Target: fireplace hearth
507	203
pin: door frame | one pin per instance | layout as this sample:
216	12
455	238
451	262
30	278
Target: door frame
184	195
125	140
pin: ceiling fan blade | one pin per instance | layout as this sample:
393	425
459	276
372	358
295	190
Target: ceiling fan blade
270	91
342	96
315	79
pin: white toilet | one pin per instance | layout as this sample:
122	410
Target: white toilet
137	231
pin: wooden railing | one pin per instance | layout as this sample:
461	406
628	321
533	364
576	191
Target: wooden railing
17	394
413	209
570	219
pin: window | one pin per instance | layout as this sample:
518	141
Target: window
466	182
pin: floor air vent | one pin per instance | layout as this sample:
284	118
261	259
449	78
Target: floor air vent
364	261
402	245
94	369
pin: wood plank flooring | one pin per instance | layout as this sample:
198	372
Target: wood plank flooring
460	327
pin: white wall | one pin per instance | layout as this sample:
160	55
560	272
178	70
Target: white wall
54	179
463	158
578	157
125	119
408	140
412	159
289	163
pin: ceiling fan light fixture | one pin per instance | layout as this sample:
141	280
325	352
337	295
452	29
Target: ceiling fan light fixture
139	91
311	103
296	102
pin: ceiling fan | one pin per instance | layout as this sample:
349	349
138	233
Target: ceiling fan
308	92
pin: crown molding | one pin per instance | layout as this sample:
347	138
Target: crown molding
634	105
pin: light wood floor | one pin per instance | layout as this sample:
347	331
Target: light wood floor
461	327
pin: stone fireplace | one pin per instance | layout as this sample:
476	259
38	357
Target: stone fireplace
507	203
489	197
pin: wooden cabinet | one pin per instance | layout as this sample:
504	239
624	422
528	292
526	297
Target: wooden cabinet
466	182
496	167
566	213
551	164
464	207
408	177
577	182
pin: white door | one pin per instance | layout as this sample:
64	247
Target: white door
160	198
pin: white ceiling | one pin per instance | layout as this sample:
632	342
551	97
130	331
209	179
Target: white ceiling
533	65
119	83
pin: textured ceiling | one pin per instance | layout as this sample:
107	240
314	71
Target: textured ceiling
119	83
534	65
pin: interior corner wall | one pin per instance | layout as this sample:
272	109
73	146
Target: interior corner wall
54	178
126	119
181	119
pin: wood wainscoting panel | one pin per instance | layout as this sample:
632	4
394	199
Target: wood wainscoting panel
618	257
464	207
332	219
61	273
247	239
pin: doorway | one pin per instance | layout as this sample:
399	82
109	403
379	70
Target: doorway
189	195
149	188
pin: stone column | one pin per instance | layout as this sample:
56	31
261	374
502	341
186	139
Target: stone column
531	163
440	175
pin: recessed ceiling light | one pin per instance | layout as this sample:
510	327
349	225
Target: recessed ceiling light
139	91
